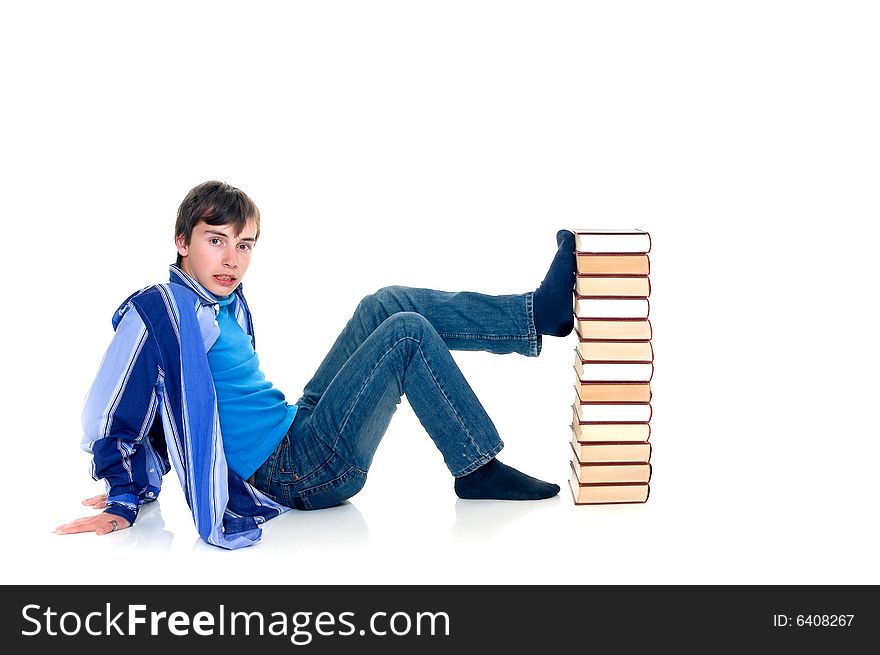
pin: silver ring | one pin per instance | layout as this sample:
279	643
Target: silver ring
114	524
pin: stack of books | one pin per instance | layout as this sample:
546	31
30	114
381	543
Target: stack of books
614	363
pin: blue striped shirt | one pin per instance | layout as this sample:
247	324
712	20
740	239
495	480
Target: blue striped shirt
153	400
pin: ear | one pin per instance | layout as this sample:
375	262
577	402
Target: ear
182	246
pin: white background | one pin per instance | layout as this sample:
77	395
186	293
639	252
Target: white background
442	145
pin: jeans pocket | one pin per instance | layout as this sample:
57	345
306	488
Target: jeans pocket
285	471
337	490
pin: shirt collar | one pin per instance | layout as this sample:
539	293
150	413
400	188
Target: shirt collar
176	275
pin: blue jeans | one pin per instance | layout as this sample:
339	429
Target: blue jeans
397	342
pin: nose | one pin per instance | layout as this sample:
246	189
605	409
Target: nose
230	258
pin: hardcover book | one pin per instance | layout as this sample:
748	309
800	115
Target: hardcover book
599	472
638	452
605	493
615	351
614	392
612	241
613	372
613	412
586	433
630	329
585	307
613	264
636	286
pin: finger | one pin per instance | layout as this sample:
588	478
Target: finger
94	500
100	525
75	527
114	524
75	524
86	524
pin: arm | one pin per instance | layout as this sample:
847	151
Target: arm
118	414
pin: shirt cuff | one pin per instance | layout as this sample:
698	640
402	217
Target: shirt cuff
125	506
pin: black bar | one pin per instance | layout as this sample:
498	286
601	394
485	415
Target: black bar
436	618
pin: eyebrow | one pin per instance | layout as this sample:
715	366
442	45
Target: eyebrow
223	234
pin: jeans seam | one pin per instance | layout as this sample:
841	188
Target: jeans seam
351	470
449	402
477	463
306	494
433	377
534	338
487	337
364	386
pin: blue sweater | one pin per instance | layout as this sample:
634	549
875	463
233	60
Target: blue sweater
254	416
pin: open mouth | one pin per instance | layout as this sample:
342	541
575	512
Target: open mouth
225	280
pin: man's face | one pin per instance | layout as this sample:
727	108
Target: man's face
217	257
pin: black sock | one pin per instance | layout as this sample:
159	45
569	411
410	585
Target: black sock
498	481
552	303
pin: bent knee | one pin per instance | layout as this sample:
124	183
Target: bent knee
410	324
407	330
386	300
391	291
392	298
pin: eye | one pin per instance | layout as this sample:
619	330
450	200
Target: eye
215	241
244	247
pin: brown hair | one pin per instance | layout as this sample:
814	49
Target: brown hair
216	203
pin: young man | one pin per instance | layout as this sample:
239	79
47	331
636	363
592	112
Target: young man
181	381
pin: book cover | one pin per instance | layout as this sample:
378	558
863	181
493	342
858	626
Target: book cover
613	392
613	371
628	329
596	494
585	307
615	351
612	472
593	433
612	241
613	264
588	412
636	286
630	452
